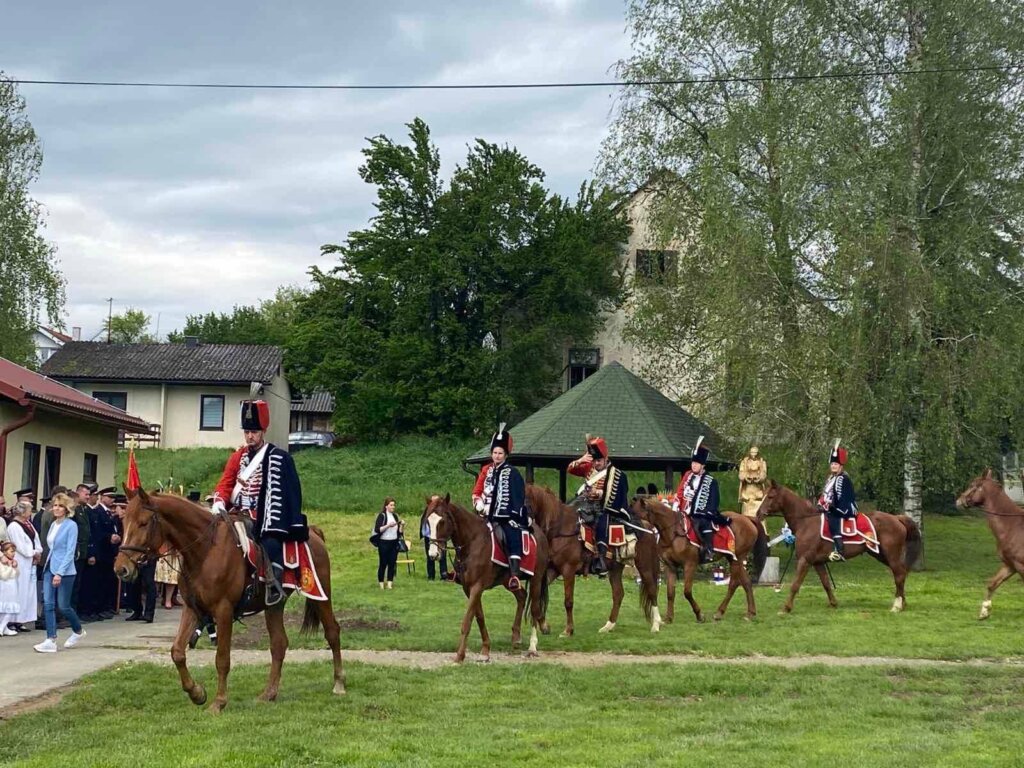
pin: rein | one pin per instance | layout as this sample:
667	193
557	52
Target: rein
148	551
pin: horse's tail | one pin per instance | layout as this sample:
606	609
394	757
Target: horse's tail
761	549
914	544
311	618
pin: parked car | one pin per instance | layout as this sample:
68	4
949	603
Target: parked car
298	440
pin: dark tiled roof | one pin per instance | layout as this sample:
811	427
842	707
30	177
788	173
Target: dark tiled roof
317	402
201	363
636	420
17	383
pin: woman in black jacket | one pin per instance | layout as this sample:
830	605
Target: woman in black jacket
388	531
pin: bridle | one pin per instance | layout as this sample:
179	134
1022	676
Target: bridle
149	552
443	544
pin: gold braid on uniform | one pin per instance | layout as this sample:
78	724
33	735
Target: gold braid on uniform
611	486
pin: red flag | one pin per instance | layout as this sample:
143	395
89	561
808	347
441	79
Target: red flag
133	481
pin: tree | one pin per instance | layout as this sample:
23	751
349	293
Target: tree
129	327
269	322
449	312
31	284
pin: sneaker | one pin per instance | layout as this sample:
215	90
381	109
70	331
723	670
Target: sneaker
72	641
8	632
48	645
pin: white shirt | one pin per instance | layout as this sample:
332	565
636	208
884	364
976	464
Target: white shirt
51	534
389	534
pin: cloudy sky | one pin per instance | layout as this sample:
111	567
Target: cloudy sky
183	201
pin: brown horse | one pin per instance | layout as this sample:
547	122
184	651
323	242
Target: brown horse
899	541
212	581
1006	521
676	551
471	539
569	557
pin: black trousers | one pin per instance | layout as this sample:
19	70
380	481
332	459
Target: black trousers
76	590
108	585
387	556
145	582
431	571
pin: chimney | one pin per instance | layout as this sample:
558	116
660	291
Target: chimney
191	341
76	333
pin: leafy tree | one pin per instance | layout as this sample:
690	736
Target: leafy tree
270	322
129	327
30	281
449	312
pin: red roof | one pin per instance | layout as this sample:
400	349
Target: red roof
56	334
21	384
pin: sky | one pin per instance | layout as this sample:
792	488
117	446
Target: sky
182	201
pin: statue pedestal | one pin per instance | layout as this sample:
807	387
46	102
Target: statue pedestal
770	572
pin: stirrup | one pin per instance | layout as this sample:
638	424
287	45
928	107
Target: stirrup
836	556
513	583
273	592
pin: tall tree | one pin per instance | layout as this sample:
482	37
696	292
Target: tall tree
450	311
31	284
129	327
269	322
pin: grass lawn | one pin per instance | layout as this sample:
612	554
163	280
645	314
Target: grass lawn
537	715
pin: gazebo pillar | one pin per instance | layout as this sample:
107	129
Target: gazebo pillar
561	484
529	472
668	478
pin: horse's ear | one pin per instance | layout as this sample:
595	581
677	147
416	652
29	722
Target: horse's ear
448	498
987	474
143	496
129	492
773	483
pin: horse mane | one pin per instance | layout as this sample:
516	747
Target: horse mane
996	495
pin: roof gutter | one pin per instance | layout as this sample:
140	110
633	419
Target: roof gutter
30	413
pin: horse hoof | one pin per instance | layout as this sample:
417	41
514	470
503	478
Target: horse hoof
339	689
749	616
531	655
655	629
566	633
265	696
700	618
718	617
545	630
667	620
198	695
484	660
459	658
608	627
216	708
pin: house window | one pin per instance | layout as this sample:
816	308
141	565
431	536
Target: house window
51	477
211	413
116	399
658	267
583	363
30	468
90	468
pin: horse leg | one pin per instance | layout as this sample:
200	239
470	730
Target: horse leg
223	616
615	580
552	574
278	647
332	634
649	585
186	627
802	566
485	638
517	622
537	604
471	609
689	571
568	590
748	587
734	581
826	583
1005	572
670	593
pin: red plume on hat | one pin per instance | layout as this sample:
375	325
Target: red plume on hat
838	455
255	415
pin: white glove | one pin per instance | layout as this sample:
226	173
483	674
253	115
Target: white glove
479	505
675	505
218	508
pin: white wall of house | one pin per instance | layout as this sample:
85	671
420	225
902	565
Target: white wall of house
177	408
45	345
74	436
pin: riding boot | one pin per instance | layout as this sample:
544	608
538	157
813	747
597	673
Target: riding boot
707	549
599	565
836	555
274	592
513	570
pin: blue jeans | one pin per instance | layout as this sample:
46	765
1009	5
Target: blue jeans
59	597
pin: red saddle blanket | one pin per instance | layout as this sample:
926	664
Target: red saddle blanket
528	564
859	530
724	540
299	572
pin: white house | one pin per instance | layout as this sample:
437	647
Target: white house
55	435
47	341
191	392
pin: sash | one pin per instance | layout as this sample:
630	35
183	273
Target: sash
592	480
246	473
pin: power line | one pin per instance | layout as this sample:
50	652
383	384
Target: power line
511	86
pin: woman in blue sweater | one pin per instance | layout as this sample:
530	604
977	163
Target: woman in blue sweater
59	575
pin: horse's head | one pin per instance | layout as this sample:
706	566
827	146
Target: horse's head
142	537
772	503
977	491
437	515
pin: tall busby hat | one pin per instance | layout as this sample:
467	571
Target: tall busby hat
597	447
502	439
255	415
700	452
838	455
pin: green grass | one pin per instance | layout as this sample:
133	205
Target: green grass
537	715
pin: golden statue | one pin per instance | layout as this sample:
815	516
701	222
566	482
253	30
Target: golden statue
753	476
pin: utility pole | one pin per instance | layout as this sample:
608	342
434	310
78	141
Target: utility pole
110	315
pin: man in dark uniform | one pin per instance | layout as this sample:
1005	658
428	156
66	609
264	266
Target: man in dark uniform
507	509
604	495
145	582
837	500
260	479
698	494
86	498
108	544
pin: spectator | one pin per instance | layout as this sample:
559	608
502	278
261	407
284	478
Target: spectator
388	528
167	568
87	499
29	552
9	607
425	535
59	575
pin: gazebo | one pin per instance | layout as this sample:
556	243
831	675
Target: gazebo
644	429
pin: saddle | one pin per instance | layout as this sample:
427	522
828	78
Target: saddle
858	530
723	540
499	556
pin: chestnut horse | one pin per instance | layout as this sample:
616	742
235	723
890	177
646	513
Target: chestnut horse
676	551
1006	521
899	541
212	581
569	557
471	538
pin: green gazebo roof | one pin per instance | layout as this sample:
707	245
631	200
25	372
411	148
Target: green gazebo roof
643	428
